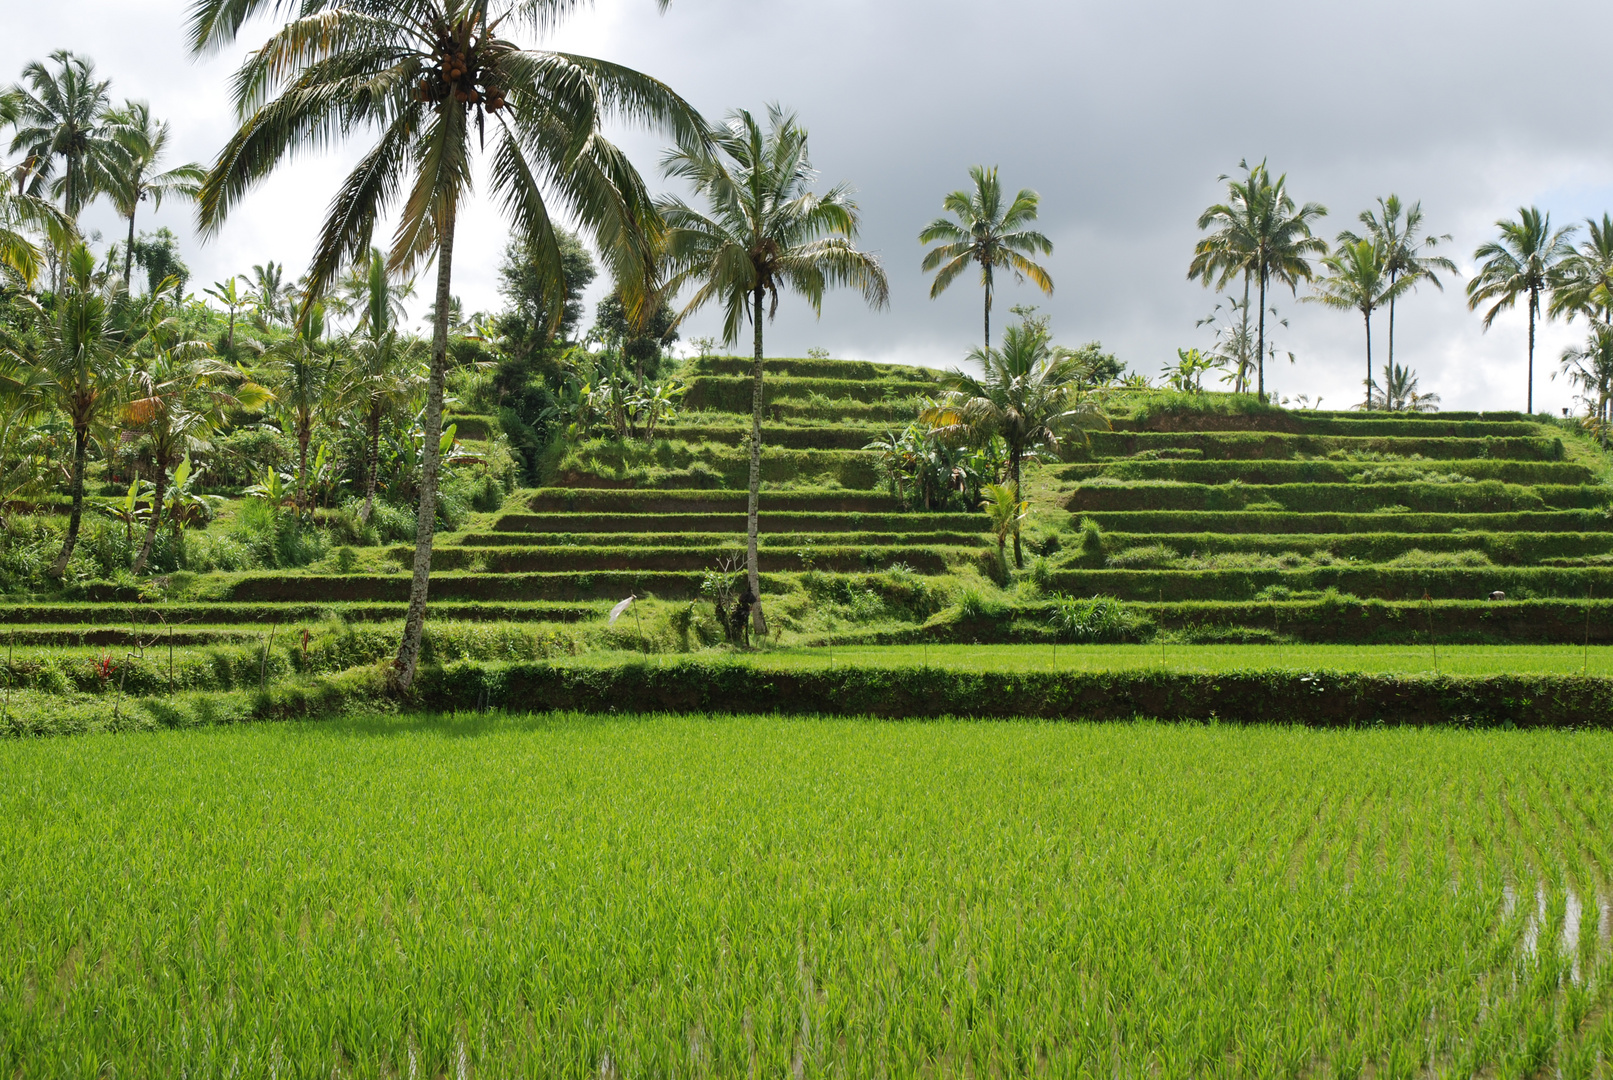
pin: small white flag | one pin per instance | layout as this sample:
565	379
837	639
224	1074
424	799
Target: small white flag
616	612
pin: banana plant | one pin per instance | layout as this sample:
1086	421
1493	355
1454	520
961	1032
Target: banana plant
128	509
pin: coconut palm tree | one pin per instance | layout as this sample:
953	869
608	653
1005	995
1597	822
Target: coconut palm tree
764	232
1522	262
1358	279
383	369
1584	279
302	367
1400	392
1590	367
437	81
59	120
1406	253
234	299
986	233
272	297
181	395
79	357
1029	392
133	178
1261	233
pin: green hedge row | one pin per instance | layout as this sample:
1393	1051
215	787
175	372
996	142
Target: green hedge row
1507	548
804	437
834	558
808	368
679	465
770	522
567	585
1250	445
629	501
1262	521
1385	583
1314	699
1328	472
154	618
725	540
1305	423
470	426
1483	497
734	395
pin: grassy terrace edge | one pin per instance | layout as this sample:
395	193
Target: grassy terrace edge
1278	697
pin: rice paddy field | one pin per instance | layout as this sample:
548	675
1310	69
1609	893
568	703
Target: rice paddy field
413	896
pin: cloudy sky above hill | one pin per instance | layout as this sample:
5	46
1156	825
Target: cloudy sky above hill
1121	115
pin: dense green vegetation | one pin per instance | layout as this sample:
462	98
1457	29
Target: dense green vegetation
391	895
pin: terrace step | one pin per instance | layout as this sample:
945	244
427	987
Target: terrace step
736	394
685	501
765	539
1504	548
1301	423
769	521
810	368
1382	582
1482	497
451	586
1244	521
513	560
1329	472
789	437
1252	445
150	618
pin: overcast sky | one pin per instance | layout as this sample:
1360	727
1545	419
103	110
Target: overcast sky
1122	115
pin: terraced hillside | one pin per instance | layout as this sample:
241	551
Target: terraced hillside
1278	523
1207	523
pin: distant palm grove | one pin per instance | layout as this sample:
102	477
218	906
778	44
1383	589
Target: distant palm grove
134	401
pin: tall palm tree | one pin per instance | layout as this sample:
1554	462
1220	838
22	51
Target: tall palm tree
1406	253
302	368
383	368
230	294
436	82
1400	393
1590	367
765	231
987	233
134	178
1584	279
181	395
1029	392
60	128
1358	279
80	357
272	296
1522	262
1260	232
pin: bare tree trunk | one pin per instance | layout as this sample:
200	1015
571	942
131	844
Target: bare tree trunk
372	463
1019	556
988	308
758	620
156	518
414	624
1260	348
1367	315
81	438
128	255
1534	306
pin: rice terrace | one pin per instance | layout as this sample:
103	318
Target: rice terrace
500	642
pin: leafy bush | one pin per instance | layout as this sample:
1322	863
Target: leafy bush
1100	620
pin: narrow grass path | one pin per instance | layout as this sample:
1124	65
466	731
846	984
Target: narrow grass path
1388	659
654	896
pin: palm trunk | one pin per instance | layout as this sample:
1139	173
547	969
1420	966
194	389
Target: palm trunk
758	620
372	463
1019	556
988	308
1242	385
1534	306
1367	316
1392	276
128	254
81	438
155	521
305	432
414	624
1260	348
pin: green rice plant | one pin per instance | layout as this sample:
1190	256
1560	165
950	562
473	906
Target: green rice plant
631	895
1100	619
